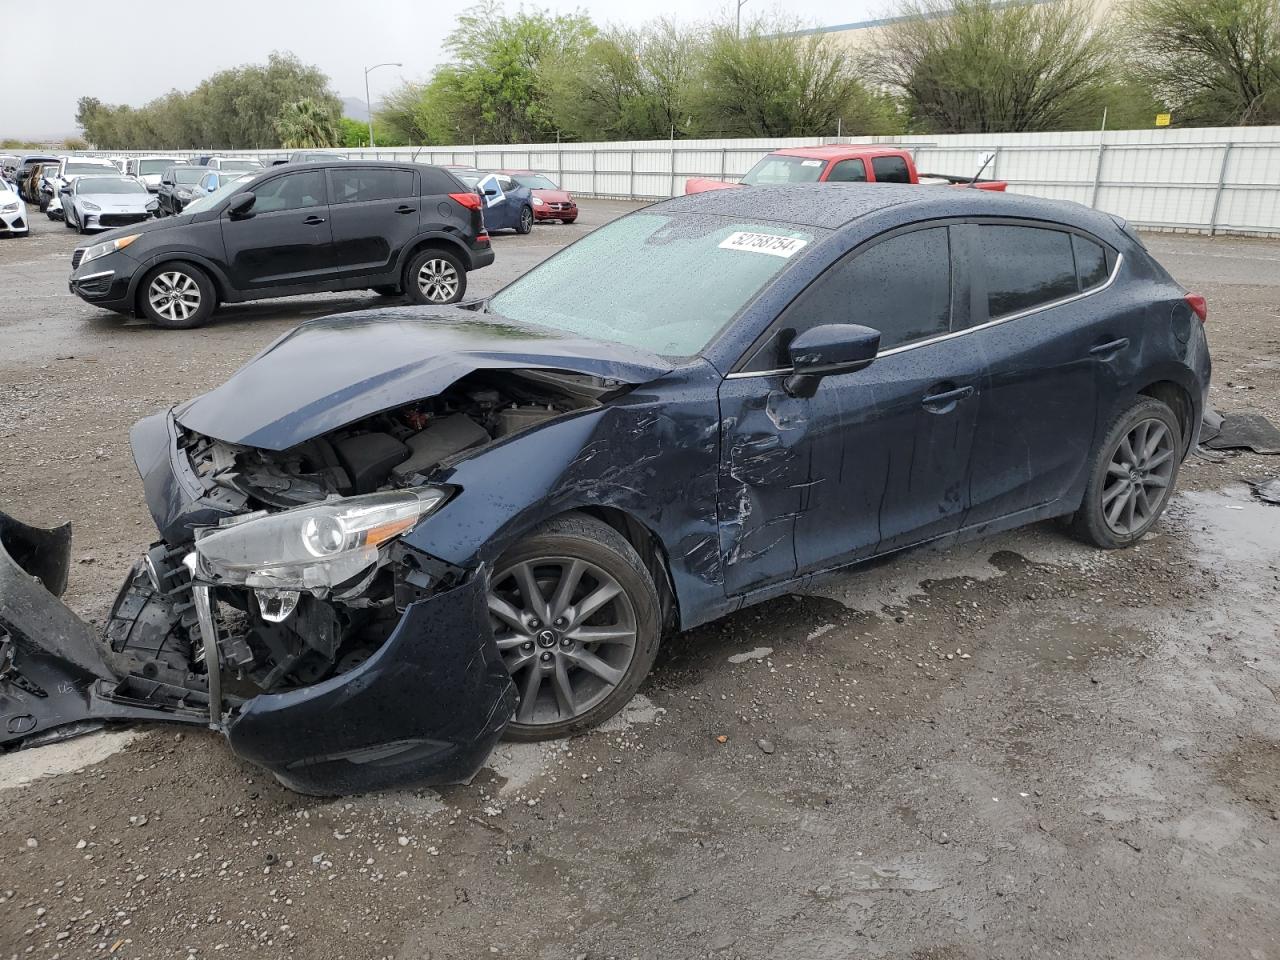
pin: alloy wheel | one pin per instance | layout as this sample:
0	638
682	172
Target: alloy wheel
174	295
438	281
567	633
1138	477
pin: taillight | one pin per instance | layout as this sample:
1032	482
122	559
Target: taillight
1198	306
482	239
469	200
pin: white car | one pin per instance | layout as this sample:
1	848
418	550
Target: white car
68	170
100	203
149	169
235	164
13	212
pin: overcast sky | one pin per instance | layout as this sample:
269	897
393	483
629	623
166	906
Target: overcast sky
125	53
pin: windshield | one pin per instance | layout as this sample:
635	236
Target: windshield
241	165
146	167
534	181
89	169
102	185
666	284
188	174
779	169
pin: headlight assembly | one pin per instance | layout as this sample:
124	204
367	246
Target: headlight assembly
89	205
539	202
315	547
10	207
108	246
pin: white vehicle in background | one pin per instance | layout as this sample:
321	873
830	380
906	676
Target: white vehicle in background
120	162
100	203
148	169
69	170
235	164
13	212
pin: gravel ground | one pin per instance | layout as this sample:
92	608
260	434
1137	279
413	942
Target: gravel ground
1021	747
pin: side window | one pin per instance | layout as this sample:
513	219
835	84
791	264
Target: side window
1092	266
1025	267
900	286
848	171
358	184
293	191
436	181
890	170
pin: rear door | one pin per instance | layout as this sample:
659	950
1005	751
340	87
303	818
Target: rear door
285	240
375	213
1042	334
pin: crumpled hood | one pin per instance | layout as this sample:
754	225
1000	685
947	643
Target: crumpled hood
335	370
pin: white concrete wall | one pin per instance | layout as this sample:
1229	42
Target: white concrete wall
1212	179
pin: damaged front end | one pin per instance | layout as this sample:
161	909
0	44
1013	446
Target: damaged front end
282	605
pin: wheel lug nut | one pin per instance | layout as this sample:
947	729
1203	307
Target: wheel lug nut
546	656
566	642
534	624
559	621
527	645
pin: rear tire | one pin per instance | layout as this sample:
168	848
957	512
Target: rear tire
525	223
177	296
567	681
435	277
1132	476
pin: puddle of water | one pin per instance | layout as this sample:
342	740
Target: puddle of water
1230	529
22	767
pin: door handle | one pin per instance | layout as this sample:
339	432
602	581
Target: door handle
1105	349
313	220
944	401
404	209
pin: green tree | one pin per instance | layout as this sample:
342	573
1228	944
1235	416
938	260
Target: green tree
233	109
774	81
1211	61
306	124
628	84
977	66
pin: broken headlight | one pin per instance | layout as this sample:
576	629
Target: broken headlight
314	547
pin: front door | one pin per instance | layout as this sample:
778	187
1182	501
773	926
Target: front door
285	239
875	460
374	212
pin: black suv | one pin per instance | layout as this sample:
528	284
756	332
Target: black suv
295	229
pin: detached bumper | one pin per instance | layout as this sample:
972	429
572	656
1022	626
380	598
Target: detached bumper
426	708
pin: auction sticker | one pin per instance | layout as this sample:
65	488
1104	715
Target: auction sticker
769	243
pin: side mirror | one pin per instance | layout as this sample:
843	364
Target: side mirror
831	348
241	204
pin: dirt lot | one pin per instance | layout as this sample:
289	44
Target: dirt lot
1011	749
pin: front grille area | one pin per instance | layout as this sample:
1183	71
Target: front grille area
122	219
561	206
76	257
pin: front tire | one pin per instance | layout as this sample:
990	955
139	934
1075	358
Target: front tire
525	224
434	276
577	620
177	296
1132	477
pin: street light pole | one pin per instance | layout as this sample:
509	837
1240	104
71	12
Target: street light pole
368	103
737	25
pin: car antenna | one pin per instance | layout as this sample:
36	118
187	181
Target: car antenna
985	162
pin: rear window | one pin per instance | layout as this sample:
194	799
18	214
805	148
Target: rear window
1025	267
360	184
1091	262
890	170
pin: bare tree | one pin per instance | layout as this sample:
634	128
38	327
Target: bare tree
976	66
1212	61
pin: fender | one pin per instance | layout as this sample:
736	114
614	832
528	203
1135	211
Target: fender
204	263
652	454
435	235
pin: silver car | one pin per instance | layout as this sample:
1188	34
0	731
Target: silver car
99	203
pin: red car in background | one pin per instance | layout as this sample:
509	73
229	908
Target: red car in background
838	163
549	201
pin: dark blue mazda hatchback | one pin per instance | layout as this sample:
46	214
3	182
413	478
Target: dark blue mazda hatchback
396	535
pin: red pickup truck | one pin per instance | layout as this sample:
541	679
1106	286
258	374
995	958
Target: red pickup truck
838	164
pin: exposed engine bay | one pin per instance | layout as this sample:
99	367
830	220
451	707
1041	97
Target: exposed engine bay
272	639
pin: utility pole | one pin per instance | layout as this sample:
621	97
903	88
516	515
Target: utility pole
737	24
368	102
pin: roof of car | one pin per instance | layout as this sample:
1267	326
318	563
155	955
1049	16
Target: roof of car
833	151
832	205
